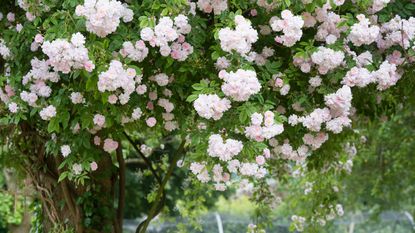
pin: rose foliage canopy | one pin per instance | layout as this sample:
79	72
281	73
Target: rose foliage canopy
249	93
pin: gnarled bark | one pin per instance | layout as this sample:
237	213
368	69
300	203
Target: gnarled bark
59	201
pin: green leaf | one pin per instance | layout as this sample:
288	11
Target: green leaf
53	125
86	120
165	11
215	55
199	86
91	84
273	67
191	98
62	176
65	116
62	165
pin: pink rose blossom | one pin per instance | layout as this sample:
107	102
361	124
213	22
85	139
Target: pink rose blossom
151	122
94	166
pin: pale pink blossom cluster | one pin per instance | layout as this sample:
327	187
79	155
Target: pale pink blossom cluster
240	39
199	169
37	77
110	145
338	2
360	77
378	5
211	106
165	104
240	85
335	115
222	63
303	63
315	119
65	150
25	5
278	84
217	6
77	169
285	89
397	32
386	76
260	58
339	102
13	107
19	27
103	16
11	17
181	50
40	89
362	33
315	141
116	77
77	98
309	19
224	150
67	55
222	179
135	115
4	50
169	31
337	124
161	79
37	42
169	123
252	169
48	113
328	30
263	126
363	59
340	106
315	81
7	93
29	97
327	59
395	58
93	166
135	52
151	121
290	25
286	151
99	120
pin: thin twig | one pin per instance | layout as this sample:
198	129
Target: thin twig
146	160
157	206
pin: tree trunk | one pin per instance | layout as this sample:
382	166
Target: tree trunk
60	204
85	209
